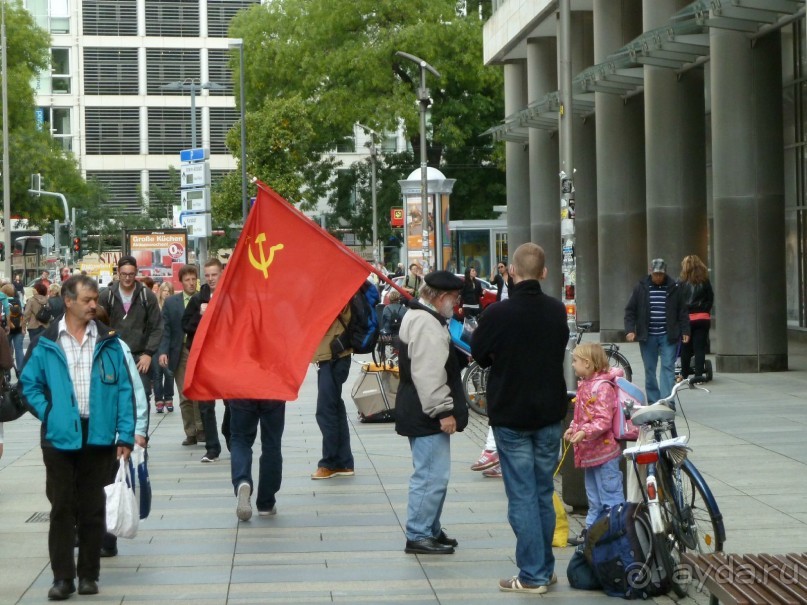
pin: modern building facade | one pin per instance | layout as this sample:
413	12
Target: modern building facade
106	97
689	137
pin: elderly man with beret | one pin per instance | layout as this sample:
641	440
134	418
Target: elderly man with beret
430	407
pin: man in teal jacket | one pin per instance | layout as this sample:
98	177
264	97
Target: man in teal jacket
77	382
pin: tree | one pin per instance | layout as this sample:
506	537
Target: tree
32	150
338	67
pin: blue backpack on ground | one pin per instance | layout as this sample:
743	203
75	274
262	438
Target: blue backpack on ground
619	549
361	332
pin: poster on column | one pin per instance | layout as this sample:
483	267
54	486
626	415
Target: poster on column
414	229
447	262
159	254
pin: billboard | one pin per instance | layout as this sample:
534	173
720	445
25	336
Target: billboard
159	254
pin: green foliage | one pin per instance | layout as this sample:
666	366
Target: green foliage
314	69
32	150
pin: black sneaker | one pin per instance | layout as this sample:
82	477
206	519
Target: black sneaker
210	457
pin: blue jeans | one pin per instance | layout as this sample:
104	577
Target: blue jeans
431	461
603	488
528	460
15	342
245	415
332	416
655	345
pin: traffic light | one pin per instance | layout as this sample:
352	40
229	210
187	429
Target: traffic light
77	245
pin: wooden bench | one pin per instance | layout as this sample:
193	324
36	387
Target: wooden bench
750	579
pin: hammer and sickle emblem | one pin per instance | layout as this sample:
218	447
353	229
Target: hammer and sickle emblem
264	263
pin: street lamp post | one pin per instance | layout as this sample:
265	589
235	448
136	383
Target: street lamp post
373	162
6	176
239	44
423	97
193	85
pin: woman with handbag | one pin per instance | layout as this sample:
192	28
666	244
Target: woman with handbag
699	296
32	316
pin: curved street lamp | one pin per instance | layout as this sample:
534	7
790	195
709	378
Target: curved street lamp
423	98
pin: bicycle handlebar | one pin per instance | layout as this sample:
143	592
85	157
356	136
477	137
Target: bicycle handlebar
692	382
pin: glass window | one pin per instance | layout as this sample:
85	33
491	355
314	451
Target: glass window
59	16
472	249
51	15
58	121
60	70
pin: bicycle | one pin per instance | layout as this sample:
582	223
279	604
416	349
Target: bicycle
475	381
683	511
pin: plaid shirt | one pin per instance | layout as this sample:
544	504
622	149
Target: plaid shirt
79	362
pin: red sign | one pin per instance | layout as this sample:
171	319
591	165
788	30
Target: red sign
396	217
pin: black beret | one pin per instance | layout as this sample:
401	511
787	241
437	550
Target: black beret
443	280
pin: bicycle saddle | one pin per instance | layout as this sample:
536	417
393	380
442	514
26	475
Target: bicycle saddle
651	413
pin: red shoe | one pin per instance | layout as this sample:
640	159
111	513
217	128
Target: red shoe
486	460
159	405
493	473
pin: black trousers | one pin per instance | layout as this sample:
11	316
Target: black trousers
695	347
74	485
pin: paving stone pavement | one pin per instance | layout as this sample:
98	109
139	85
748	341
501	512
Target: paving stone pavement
341	540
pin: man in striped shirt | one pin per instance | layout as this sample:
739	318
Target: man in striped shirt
656	316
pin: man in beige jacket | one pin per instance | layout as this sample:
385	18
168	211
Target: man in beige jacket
337	458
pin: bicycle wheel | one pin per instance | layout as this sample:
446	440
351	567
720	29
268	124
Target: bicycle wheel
474	385
693	522
618	360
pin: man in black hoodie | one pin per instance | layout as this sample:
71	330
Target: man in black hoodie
523	340
190	323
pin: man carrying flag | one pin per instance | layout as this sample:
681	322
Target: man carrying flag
261	329
332	372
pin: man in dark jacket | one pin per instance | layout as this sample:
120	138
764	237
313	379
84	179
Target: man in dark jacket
430	407
656	316
190	323
135	315
523	340
174	355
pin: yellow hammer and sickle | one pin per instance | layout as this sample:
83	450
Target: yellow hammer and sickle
264	263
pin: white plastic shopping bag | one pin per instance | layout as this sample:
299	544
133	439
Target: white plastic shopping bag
122	513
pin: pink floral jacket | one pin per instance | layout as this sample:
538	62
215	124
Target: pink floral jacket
594	414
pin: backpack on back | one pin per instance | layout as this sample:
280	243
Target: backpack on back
619	548
44	314
361	332
397	318
628	397
14	314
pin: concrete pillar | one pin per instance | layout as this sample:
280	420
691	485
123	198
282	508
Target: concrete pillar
675	154
748	181
542	78
587	291
620	174
516	160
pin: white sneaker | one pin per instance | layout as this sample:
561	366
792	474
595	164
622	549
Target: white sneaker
244	508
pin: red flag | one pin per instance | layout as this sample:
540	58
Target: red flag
286	282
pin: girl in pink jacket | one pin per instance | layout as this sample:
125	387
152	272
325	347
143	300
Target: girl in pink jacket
595	448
